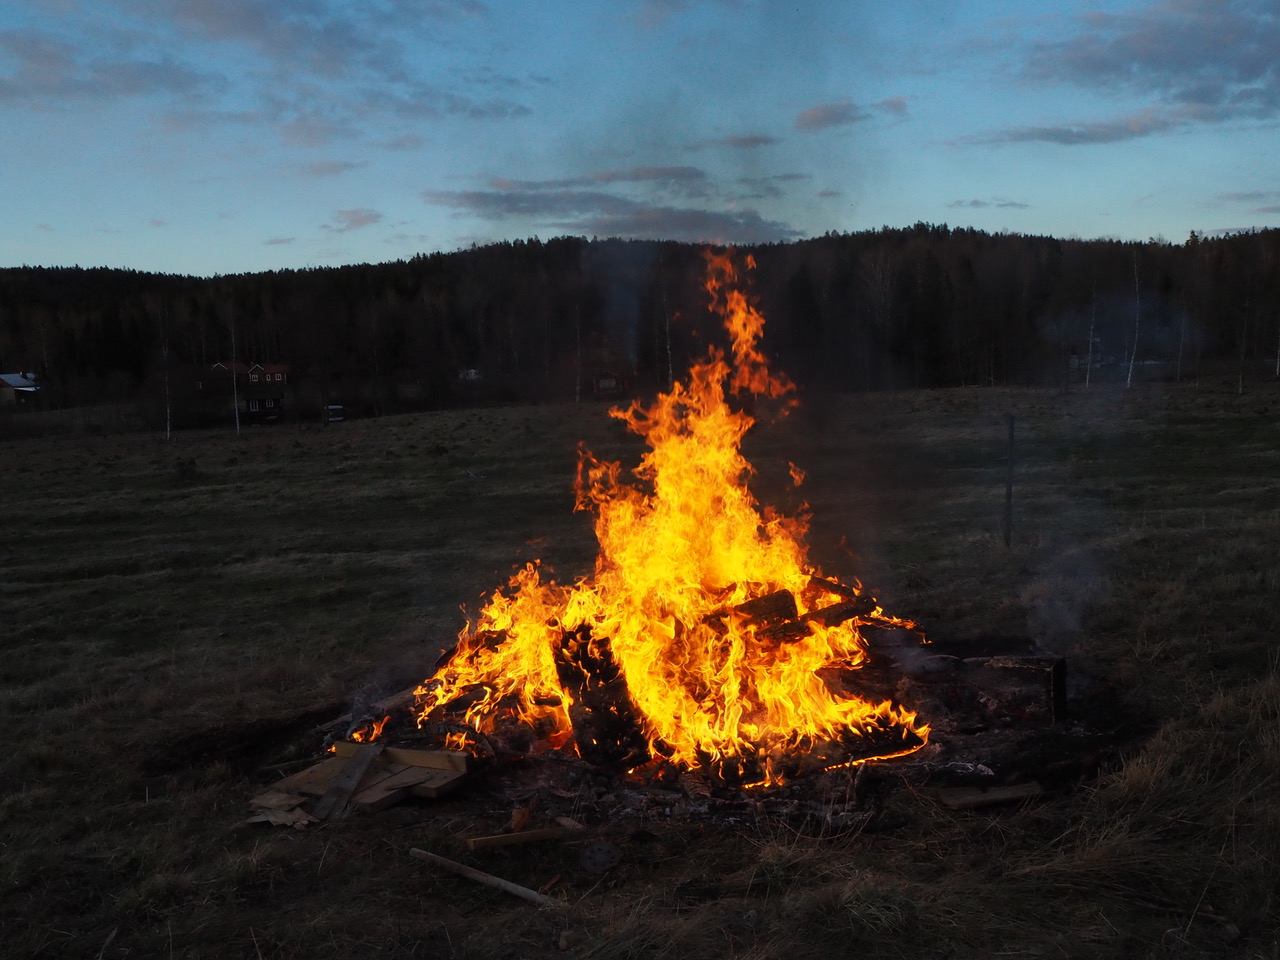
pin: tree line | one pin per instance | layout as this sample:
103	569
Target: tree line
534	320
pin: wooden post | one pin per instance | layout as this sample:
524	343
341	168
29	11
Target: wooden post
1008	492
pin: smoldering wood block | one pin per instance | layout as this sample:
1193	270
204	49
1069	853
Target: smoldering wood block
1012	690
1033	687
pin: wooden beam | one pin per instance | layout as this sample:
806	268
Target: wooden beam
488	879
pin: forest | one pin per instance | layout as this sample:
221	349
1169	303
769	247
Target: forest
537	320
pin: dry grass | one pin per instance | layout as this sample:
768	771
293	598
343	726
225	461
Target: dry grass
165	635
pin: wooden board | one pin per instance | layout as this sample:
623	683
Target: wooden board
315	780
437	759
277	800
354	769
438	783
391	788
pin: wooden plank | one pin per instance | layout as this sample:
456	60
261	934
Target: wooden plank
345	783
277	800
511	839
438	783
390	790
297	818
971	798
436	759
488	879
313	781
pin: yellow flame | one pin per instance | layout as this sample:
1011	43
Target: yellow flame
681	546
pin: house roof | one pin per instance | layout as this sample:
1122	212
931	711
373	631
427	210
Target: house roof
239	366
18	381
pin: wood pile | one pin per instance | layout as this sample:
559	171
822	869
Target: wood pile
363	776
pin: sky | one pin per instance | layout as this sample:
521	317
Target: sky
211	137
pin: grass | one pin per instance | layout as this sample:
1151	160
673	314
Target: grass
169	633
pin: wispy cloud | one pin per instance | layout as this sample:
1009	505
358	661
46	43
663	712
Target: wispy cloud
683	180
1115	130
1216	56
769	187
278	241
600	212
332	168
345	220
1182	62
827	115
315	72
982	204
1249	196
749	141
47	71
895	106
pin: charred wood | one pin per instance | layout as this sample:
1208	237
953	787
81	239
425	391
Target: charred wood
600	709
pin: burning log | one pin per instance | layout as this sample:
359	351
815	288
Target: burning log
600	708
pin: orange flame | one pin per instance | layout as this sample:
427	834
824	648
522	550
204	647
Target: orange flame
682	549
370	732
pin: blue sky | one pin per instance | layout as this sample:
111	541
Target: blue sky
223	136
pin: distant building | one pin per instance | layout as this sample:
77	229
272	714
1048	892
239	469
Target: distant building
17	390
258	388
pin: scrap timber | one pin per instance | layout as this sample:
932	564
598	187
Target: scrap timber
366	777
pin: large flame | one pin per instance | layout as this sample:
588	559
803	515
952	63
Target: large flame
683	634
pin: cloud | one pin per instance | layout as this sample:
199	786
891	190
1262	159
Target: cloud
158	223
314	71
1115	130
897	106
278	241
598	212
982	204
1196	60
653	13
332	168
1249	196
345	220
48	71
770	186
830	115
749	141
688	181
407	141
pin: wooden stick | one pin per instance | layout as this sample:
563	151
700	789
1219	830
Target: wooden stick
488	879
510	839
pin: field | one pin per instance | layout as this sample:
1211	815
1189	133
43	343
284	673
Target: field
178	616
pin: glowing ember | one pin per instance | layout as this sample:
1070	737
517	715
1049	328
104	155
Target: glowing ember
701	636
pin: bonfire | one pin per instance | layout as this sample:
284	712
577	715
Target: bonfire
704	639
